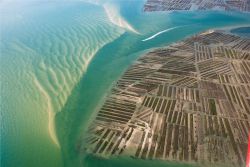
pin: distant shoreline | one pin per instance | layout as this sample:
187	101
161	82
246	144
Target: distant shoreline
240	5
229	29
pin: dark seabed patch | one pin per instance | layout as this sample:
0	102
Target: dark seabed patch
242	31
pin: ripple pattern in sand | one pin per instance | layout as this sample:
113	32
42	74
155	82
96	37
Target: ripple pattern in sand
60	51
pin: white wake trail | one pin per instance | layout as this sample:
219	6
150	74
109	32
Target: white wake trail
159	33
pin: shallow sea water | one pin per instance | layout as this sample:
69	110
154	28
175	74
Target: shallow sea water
59	61
242	31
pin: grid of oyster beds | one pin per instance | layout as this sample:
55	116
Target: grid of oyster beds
170	5
188	102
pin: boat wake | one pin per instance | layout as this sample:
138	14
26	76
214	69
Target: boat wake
159	33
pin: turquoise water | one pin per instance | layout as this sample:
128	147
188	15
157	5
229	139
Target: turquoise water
58	62
242	31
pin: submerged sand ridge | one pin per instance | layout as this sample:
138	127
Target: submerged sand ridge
188	102
71	58
112	10
46	49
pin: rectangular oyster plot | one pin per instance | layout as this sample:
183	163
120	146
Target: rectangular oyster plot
170	5
187	102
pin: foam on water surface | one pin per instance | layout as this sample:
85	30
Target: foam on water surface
158	33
